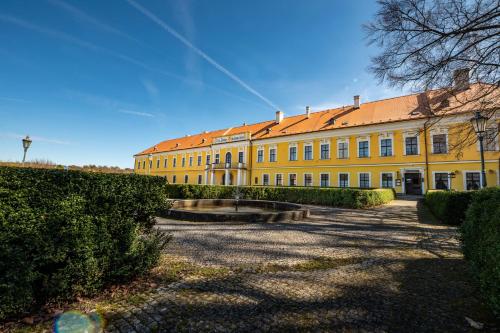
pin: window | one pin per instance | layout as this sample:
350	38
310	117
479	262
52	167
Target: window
490	139
439	144
292	179
190	160
174	179
144	164
308	179
199	179
138	164
308	152
183	162
292	153
150	164
325	151
441	181
279	179
256	180
217	159
158	163
175	162
199	160
324	180
343	180
240	157
472	181
363	149
272	155
364	180
208	159
386	147
186	179
165	162
387	181
260	156
265	179
229	157
411	145
343	150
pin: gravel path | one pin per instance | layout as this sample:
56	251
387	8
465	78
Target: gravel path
402	273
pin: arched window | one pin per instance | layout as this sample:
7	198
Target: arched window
228	157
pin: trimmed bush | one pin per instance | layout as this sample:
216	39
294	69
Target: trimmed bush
70	233
480	235
337	197
448	206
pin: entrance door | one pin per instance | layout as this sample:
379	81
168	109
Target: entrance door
413	183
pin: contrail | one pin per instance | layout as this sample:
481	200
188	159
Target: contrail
202	54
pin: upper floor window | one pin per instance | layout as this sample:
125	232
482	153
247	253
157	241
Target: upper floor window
292	179
208	159
138	164
364	180
183	162
174	163
363	149
387	180
411	145
441	180
308	152
272	155
265	179
386	147
199	160
217	159
491	139
324	151
439	145
472	181
343	150
324	180
343	180
292	153
190	160
279	179
150	164
260	156
165	162
144	164
308	179
158	163
241	157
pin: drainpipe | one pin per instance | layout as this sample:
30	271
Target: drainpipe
427	156
250	166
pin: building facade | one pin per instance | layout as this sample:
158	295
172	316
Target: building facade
405	143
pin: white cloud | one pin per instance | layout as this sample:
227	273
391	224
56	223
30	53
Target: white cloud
150	87
136	113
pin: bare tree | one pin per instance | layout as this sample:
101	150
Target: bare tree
441	45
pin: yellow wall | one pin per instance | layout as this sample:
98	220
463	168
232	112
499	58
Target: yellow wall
374	164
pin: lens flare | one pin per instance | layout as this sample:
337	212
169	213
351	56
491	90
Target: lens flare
78	322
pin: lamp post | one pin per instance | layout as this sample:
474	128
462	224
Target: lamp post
150	157
479	124
26	144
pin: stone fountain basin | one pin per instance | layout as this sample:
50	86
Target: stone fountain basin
222	210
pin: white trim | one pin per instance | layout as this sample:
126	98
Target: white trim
257	156
293	145
369	179
268	178
308	144
363	139
296	179
339	141
348	178
384	136
411	134
329	178
325	143
304	179
439	131
276	179
418	170
464	178
393	178
276	154
434	179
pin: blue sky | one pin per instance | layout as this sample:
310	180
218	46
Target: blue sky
94	82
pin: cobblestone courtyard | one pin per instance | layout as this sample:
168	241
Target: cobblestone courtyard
386	269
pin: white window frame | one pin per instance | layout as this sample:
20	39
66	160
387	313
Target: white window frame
243	154
325	143
385	136
369	179
208	158
165	162
464	173
304	179
393	178
308	144
174	163
190	160
268	179
439	131
199	160
434	179
200	179
362	139
275	154
329	179
276	179
348	179
413	134
339	141
293	145
263	157
296	179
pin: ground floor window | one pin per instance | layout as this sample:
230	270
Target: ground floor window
308	179
324	180
343	180
279	179
441	181
186	179
364	180
199	179
387	181
174	179
265	179
292	179
472	181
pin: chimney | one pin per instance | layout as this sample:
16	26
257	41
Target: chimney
279	116
308	111
356	101
461	79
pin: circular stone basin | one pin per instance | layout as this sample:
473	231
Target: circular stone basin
220	210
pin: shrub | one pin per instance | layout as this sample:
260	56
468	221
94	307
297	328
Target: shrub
480	235
338	197
69	233
448	206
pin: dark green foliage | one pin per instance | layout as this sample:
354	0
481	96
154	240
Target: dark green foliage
69	233
338	197
480	234
448	206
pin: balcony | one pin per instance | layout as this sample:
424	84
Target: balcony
224	166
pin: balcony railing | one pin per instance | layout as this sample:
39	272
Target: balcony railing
221	166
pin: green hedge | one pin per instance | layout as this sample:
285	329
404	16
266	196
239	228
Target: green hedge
448	206
480	235
69	233
338	197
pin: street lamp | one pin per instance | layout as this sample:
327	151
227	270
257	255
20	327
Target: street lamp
26	144
150	157
479	124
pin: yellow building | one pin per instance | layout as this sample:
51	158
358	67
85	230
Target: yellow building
403	142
